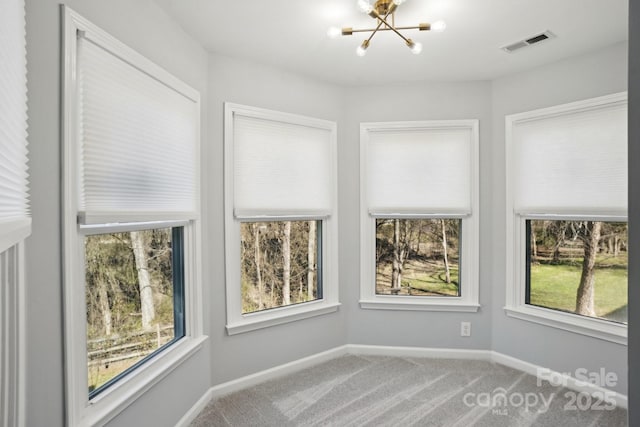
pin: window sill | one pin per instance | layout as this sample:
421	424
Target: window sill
423	305
111	402
596	328
278	316
13	232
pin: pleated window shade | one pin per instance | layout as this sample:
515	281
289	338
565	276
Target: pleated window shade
139	143
14	194
419	171
281	168
572	163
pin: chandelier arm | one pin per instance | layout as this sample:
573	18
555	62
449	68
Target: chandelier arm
380	21
393	28
366	30
374	32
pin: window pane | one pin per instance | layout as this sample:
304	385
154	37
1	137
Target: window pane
280	263
578	267
134	289
418	257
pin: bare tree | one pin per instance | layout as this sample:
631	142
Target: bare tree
401	241
103	300
585	296
311	259
256	257
534	246
559	230
144	281
286	269
444	252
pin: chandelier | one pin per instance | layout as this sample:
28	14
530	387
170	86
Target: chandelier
383	11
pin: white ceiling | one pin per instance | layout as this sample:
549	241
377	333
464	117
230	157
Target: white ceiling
291	34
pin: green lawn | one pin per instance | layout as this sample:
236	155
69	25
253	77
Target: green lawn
433	282
420	278
555	286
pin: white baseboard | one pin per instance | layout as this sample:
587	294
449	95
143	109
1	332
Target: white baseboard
375	350
193	412
566	380
278	371
257	378
433	353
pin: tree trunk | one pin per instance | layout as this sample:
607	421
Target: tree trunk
556	253
105	309
311	259
396	275
444	251
534	245
256	258
144	281
585	296
286	269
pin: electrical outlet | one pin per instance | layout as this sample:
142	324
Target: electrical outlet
465	329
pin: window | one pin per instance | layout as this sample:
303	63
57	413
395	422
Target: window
15	221
567	216
279	262
418	257
131	223
134	298
578	267
419	215
281	229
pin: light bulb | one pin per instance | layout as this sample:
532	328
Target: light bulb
334	32
365	6
438	26
362	49
416	48
398	2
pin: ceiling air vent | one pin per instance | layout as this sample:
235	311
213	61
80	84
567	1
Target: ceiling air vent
528	41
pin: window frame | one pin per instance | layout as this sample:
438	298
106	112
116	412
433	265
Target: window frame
468	301
81	410
327	240
12	334
516	239
178	283
318	259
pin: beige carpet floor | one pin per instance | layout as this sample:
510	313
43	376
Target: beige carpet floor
393	391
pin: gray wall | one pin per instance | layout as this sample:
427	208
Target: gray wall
573	79
417	101
248	83
143	26
634	209
146	28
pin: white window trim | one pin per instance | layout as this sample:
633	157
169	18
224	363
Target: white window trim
236	321
515	234
110	402
12	336
469	280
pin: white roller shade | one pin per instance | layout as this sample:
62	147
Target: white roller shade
139	142
419	171
14	196
572	163
281	168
